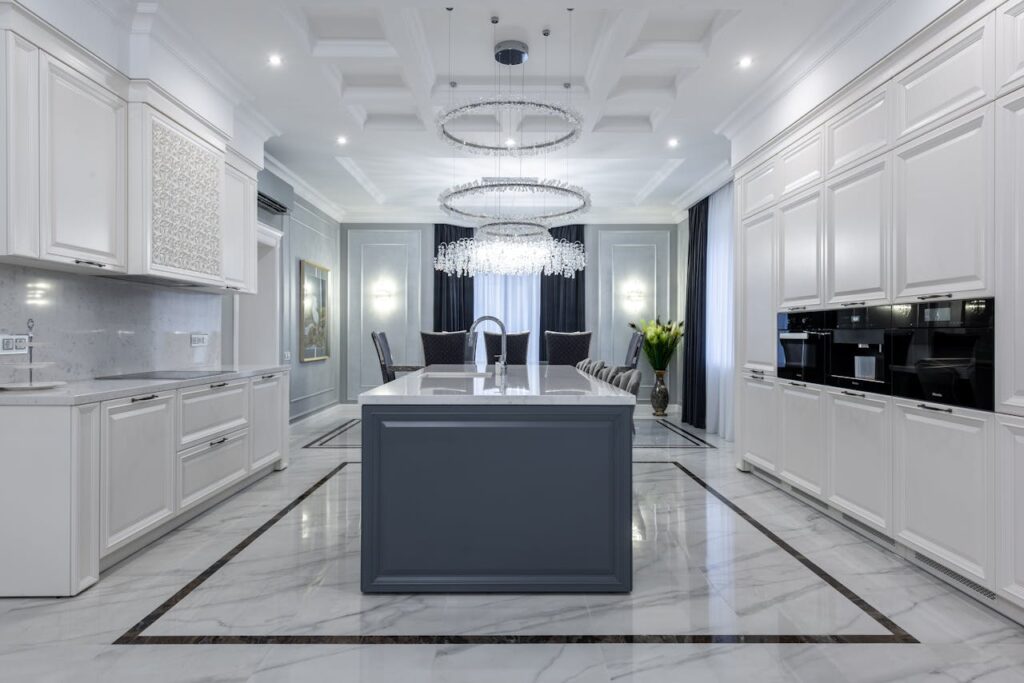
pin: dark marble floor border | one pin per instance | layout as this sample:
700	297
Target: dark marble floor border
134	635
319	441
701	443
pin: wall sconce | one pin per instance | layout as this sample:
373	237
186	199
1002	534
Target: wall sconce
635	297
383	296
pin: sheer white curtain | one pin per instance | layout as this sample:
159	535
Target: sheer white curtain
720	302
513	299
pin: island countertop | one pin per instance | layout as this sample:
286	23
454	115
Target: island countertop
523	385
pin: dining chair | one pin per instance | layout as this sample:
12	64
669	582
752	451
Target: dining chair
517	346
595	367
387	363
566	348
444	348
636	343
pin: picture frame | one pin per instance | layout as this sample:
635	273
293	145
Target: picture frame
314	312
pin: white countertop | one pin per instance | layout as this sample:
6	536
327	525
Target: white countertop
524	385
95	390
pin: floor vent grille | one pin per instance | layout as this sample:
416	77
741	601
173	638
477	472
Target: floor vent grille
959	578
808	498
767	475
878	535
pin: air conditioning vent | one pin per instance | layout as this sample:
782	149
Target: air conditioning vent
962	580
270	204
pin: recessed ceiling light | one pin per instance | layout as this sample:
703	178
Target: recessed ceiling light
275	59
510	142
673	142
342	140
746	61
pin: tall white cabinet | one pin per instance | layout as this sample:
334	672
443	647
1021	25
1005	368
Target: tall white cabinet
1010	250
758	287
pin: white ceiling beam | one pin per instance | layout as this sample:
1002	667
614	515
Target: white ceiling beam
353	48
404	31
678	52
657	180
618	35
359	175
381	94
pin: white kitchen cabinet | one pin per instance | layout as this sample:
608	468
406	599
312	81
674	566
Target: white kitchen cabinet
209	468
800	251
802	436
859	456
239	231
175	200
137	467
758	433
759	189
801	164
859	132
944	484
19	146
758	286
1010	508
943	211
955	78
1010	254
269	419
1010	46
212	410
858	212
83	183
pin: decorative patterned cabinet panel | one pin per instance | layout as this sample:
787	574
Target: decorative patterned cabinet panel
859	132
858	215
943	485
859	456
1010	508
759	189
943	205
1010	46
758	286
802	436
269	422
758	432
137	467
239	231
800	251
83	182
1010	254
950	81
175	200
19	146
800	164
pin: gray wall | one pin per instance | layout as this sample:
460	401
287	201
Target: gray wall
96	326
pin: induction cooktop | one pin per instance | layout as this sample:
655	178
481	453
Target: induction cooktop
171	374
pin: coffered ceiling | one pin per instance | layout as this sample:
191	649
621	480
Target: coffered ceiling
377	72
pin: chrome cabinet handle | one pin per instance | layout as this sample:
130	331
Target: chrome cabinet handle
854	303
219	441
852	393
218	386
94	264
757	372
796	384
926	297
797	308
268	376
232	287
137	399
938	410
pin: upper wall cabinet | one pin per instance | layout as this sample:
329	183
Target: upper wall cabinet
758	273
239	230
82	136
954	79
175	200
859	132
800	248
759	189
19	146
1010	253
943	211
1010	46
858	211
800	164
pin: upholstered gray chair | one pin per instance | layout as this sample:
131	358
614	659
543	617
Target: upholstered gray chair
566	348
636	344
595	367
387	363
582	364
444	348
516	347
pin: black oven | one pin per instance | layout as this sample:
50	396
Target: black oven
803	346
858	356
944	352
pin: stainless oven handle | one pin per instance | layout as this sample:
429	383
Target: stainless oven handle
938	410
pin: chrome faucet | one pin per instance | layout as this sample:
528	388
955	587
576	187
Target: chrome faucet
499	365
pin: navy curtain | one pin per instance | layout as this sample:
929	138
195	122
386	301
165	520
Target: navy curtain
694	400
562	299
453	296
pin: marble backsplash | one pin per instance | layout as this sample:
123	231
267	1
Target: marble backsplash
94	326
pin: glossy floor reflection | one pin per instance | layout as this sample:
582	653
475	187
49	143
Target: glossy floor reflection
700	568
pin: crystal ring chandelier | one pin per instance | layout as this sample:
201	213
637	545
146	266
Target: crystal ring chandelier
497	107
505	255
455	201
519	229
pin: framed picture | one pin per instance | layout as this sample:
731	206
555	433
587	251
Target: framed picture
315	301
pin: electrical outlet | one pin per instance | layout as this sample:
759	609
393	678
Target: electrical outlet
13	344
200	339
288	356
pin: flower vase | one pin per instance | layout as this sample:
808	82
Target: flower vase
659	394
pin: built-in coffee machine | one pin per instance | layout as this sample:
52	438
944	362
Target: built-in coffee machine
859	353
803	346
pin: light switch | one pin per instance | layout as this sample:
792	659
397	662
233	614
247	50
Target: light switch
200	339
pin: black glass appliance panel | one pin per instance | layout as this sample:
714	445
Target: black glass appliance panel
944	352
802	346
859	351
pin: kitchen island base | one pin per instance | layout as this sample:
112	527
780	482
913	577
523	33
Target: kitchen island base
496	498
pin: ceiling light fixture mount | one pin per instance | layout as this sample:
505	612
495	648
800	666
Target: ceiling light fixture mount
274	59
746	61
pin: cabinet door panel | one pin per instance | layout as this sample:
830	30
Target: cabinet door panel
268	419
83	136
1010	509
802	437
210	468
758	428
800	233
759	189
944	486
860	457
1010	46
210	411
857	218
759	293
800	165
859	132
956	77
1010	254
137	467
239	231
943	210
19	143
